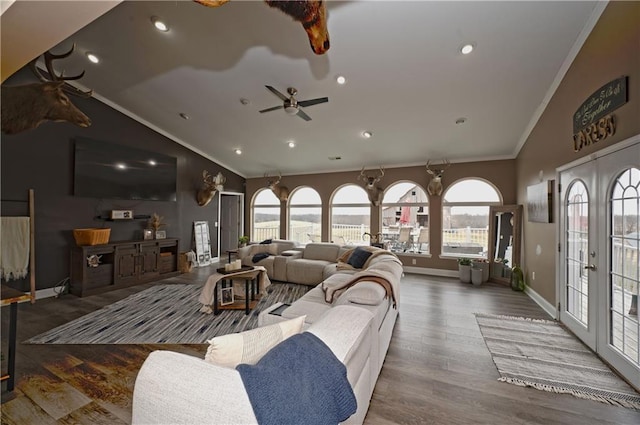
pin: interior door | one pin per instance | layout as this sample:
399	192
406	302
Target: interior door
578	251
231	221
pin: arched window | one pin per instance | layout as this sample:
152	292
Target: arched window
305	215
265	212
405	218
350	215
465	218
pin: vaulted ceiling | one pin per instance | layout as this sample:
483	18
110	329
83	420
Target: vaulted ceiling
406	80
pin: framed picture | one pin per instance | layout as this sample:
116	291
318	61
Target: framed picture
161	234
226	296
539	202
148	234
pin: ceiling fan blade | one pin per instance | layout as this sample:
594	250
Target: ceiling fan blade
272	109
312	102
277	93
302	115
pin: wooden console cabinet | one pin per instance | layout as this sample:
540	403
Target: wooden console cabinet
121	264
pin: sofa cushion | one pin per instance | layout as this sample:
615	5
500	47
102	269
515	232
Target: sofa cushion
306	271
358	257
321	251
249	346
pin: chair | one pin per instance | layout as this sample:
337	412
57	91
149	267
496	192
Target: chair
404	239
423	238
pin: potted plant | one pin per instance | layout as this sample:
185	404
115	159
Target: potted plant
464	269
242	240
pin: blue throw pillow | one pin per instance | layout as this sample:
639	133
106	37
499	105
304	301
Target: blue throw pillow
358	257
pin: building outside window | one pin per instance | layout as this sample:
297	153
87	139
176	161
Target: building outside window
465	218
305	215
350	216
265	213
405	218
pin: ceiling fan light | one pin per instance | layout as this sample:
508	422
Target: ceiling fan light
291	110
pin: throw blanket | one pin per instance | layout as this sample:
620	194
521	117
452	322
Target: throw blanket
383	275
206	296
299	381
14	247
375	251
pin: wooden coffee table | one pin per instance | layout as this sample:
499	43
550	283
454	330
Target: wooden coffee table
250	279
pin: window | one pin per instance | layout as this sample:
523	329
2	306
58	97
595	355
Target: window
465	218
305	215
405	218
266	216
350	215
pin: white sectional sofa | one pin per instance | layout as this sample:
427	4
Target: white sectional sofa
357	325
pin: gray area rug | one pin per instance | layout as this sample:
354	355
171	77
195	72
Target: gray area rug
543	355
163	314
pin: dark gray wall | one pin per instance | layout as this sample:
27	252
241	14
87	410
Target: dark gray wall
42	159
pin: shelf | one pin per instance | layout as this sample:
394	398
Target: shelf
135	217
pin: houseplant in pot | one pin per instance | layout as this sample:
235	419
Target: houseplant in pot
464	269
242	241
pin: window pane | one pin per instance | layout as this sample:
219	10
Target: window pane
405	218
266	223
305	196
348	224
305	224
471	190
266	197
465	231
350	194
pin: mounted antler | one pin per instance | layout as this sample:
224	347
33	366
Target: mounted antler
211	185
282	192
435	185
370	182
27	106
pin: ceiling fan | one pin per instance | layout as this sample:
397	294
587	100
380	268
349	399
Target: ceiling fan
292	106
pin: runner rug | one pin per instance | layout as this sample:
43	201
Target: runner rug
163	314
543	355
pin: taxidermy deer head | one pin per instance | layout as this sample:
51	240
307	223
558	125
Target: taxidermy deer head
370	184
435	185
211	185
312	14
282	192
27	106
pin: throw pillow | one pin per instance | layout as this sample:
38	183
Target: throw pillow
249	346
366	293
358	257
266	242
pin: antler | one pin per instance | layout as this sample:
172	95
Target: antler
271	183
48	61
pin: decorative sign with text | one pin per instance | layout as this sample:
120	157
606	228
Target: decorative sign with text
593	122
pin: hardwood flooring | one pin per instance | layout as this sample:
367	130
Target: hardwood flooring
437	371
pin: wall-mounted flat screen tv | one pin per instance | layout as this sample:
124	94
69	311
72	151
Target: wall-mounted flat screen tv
113	171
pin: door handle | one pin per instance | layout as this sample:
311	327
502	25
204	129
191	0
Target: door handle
591	267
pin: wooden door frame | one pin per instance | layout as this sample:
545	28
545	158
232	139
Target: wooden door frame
219	218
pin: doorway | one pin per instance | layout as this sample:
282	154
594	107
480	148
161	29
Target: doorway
599	272
231	221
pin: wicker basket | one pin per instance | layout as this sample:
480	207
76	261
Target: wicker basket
91	236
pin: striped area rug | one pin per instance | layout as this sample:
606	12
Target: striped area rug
543	355
163	314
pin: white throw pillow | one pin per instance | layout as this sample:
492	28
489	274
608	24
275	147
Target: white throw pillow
367	293
249	346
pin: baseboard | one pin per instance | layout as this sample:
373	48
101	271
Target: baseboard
431	272
544	304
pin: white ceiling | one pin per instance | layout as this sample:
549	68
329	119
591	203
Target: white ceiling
407	82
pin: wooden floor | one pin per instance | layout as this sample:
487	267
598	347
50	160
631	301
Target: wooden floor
438	369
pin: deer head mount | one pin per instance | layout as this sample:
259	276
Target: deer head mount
282	192
312	14
211	185
370	184
435	185
27	106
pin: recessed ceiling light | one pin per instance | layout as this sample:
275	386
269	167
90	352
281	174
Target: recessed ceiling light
160	25
367	134
184	116
152	162
461	120
121	166
340	79
292	144
238	151
466	49
92	57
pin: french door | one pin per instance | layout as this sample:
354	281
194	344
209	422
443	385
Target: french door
599	271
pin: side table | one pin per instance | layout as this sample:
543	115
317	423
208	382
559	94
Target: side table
250	279
12	297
